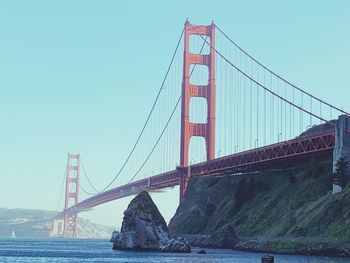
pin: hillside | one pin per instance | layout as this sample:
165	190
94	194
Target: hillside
271	210
37	223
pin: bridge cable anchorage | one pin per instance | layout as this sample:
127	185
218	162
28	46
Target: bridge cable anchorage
87	177
260	85
280	77
149	115
167	123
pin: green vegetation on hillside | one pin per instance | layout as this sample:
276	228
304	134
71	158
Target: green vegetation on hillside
289	202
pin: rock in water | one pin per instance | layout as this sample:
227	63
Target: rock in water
202	251
143	228
177	245
267	259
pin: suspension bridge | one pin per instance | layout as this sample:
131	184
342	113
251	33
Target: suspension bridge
218	111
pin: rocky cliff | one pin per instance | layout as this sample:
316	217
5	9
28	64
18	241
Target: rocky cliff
272	210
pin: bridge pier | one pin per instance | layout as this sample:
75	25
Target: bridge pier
182	188
183	181
341	146
57	227
183	185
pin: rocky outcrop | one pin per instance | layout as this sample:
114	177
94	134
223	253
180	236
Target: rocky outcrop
144	228
225	237
177	245
202	251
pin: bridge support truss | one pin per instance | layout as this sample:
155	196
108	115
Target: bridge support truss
72	193
189	90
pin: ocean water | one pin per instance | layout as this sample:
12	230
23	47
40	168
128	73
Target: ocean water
63	250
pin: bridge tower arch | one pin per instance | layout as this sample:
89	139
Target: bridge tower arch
189	90
72	192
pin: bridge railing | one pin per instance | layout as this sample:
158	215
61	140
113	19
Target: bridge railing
322	141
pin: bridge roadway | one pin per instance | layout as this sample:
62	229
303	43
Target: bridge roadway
319	143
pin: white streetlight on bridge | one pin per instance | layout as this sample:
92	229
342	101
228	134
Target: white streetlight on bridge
279	136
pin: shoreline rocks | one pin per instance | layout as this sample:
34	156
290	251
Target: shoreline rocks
177	245
309	249
202	251
225	238
296	247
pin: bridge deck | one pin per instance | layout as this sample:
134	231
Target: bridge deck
300	146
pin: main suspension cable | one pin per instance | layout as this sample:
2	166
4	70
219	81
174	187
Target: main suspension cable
280	77
168	121
259	84
149	115
85	191
158	140
87	177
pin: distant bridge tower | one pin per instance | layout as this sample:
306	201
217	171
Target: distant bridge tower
72	192
189	90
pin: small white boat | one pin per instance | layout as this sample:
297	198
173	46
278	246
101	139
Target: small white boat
13	235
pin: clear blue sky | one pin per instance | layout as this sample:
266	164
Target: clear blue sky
80	76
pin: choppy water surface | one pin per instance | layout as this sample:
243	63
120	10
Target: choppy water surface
61	250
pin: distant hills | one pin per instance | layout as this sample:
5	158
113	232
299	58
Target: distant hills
38	223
